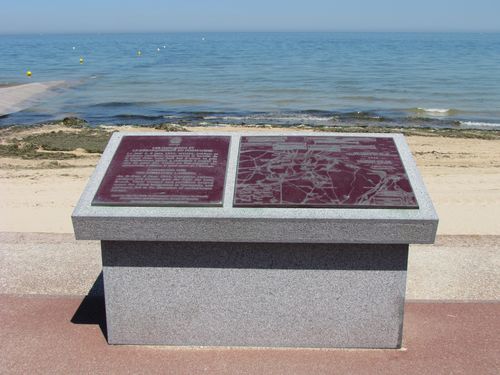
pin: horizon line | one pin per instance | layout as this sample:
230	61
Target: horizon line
250	31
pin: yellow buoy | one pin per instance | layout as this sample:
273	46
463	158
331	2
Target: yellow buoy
81	60
139	53
28	73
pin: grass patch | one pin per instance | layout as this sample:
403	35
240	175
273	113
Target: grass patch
91	140
171	127
30	151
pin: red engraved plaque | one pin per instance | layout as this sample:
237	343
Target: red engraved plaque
321	171
165	171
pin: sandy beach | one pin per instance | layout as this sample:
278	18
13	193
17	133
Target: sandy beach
461	174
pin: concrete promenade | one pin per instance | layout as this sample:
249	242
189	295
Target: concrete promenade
52	318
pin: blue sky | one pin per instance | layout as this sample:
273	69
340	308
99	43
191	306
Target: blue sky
43	16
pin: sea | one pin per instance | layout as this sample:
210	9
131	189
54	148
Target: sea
436	80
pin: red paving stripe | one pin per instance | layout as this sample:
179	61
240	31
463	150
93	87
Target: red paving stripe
37	335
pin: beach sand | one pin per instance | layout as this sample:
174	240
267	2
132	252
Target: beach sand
462	176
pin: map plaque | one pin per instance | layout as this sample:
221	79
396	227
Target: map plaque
321	171
309	215
166	171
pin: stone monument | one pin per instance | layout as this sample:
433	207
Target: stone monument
237	239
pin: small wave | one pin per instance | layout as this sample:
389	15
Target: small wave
480	124
436	111
288	115
156	103
271	118
200	115
215	117
137	117
316	117
113	104
371	98
317	112
360	116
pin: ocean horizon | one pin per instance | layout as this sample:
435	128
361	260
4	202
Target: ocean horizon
437	80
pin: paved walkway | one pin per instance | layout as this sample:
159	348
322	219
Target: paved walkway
458	268
48	326
60	335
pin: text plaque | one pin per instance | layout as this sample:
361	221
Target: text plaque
321	171
166	171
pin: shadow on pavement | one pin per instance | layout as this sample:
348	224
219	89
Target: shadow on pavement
92	309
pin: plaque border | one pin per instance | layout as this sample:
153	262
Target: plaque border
219	203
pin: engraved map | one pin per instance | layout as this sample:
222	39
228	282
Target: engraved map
321	171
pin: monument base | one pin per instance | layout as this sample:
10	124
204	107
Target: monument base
255	294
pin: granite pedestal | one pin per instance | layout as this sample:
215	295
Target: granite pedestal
225	275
